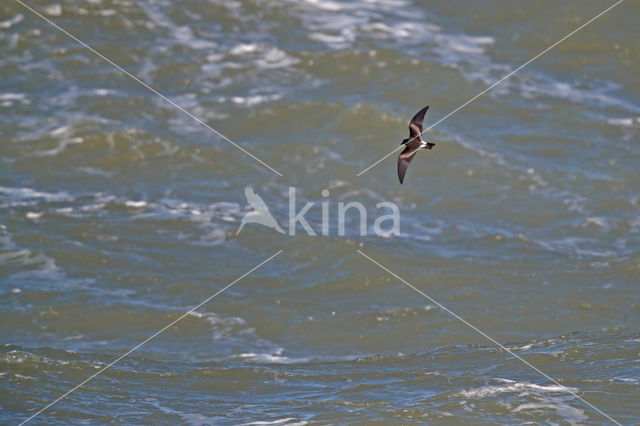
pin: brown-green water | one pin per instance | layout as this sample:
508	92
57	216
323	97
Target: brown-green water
118	212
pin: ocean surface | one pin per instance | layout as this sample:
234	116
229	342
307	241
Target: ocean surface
119	212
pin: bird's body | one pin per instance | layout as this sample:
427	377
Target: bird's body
413	143
260	215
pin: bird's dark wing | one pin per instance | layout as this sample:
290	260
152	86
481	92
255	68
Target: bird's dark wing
404	159
415	126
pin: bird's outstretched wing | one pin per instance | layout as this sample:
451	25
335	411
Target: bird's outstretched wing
415	126
255	200
404	159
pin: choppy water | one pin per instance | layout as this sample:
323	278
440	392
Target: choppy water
118	212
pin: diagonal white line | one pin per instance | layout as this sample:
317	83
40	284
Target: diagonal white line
500	81
500	345
151	89
172	323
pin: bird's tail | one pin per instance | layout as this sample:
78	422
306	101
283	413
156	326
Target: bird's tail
430	145
240	228
277	227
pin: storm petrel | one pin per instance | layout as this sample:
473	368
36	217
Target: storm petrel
413	143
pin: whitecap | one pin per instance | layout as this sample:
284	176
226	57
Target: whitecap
270	358
573	415
255	100
513	386
102	92
12	21
325	5
288	421
92	171
600	222
624	122
53	10
8	99
31	194
62	146
135	204
275	58
12	96
60	130
334	41
243	48
468	44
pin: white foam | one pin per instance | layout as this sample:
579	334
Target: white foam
244	48
275	58
136	204
31	194
106	12
13	97
573	415
61	146
325	5
600	222
468	44
267	56
12	21
625	122
289	421
102	92
95	172
335	41
254	100
512	386
53	10
270	358
60	130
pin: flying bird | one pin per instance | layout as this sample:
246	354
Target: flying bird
260	213
413	143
